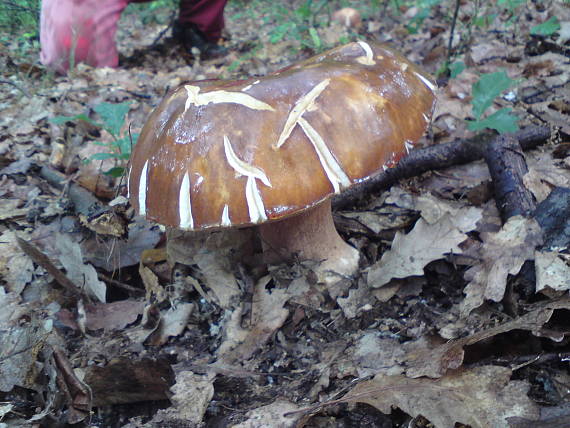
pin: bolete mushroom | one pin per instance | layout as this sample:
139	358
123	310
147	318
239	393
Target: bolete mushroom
348	17
270	152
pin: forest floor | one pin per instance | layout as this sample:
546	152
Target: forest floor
459	312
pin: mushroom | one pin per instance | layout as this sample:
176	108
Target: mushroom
348	17
270	152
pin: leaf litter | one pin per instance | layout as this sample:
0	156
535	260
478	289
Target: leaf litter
454	317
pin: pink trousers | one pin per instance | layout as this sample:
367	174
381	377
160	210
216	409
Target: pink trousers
73	31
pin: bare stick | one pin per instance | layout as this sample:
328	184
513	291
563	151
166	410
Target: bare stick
436	157
507	166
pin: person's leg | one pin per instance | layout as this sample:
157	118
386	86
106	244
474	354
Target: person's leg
72	31
205	15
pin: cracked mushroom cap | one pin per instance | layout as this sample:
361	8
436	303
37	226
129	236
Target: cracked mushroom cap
236	153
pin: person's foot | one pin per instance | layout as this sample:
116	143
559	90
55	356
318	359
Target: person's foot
191	37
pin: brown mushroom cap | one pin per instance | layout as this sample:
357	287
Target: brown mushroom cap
236	153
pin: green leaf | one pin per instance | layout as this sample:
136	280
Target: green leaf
279	32
58	120
547	28
502	121
103	156
113	116
234	65
486	89
315	38
511	5
456	68
123	145
485	20
115	172
304	11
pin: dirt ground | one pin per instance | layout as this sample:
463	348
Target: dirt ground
456	317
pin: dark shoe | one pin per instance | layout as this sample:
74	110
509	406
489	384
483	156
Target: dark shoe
191	37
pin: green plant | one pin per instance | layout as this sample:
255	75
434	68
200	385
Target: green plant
456	68
112	117
547	28
484	91
20	16
512	7
158	11
424	9
298	24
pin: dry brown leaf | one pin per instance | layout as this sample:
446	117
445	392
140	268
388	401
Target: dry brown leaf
357	301
192	394
82	275
374	354
90	174
481	397
113	254
268	313
19	346
172	323
16	268
11	209
213	253
424	244
108	316
272	415
423	358
552	270
544	170
502	254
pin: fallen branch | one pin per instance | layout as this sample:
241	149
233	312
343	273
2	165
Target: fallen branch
41	259
507	166
437	157
95	215
18	87
83	200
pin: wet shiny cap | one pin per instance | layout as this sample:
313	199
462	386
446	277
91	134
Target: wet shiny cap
236	153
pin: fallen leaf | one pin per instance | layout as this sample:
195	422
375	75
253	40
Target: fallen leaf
213	253
272	415
19	347
11	309
481	397
125	380
502	253
424	244
358	300
16	268
552	271
172	323
118	253
423	358
374	354
192	394
82	275
108	316
268	314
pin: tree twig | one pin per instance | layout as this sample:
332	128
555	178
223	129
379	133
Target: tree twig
18	87
507	166
436	157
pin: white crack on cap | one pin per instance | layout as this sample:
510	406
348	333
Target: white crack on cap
185	204
427	82
305	103
142	190
215	97
253	197
368	58
334	172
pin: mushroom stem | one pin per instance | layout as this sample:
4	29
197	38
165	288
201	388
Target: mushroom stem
310	235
